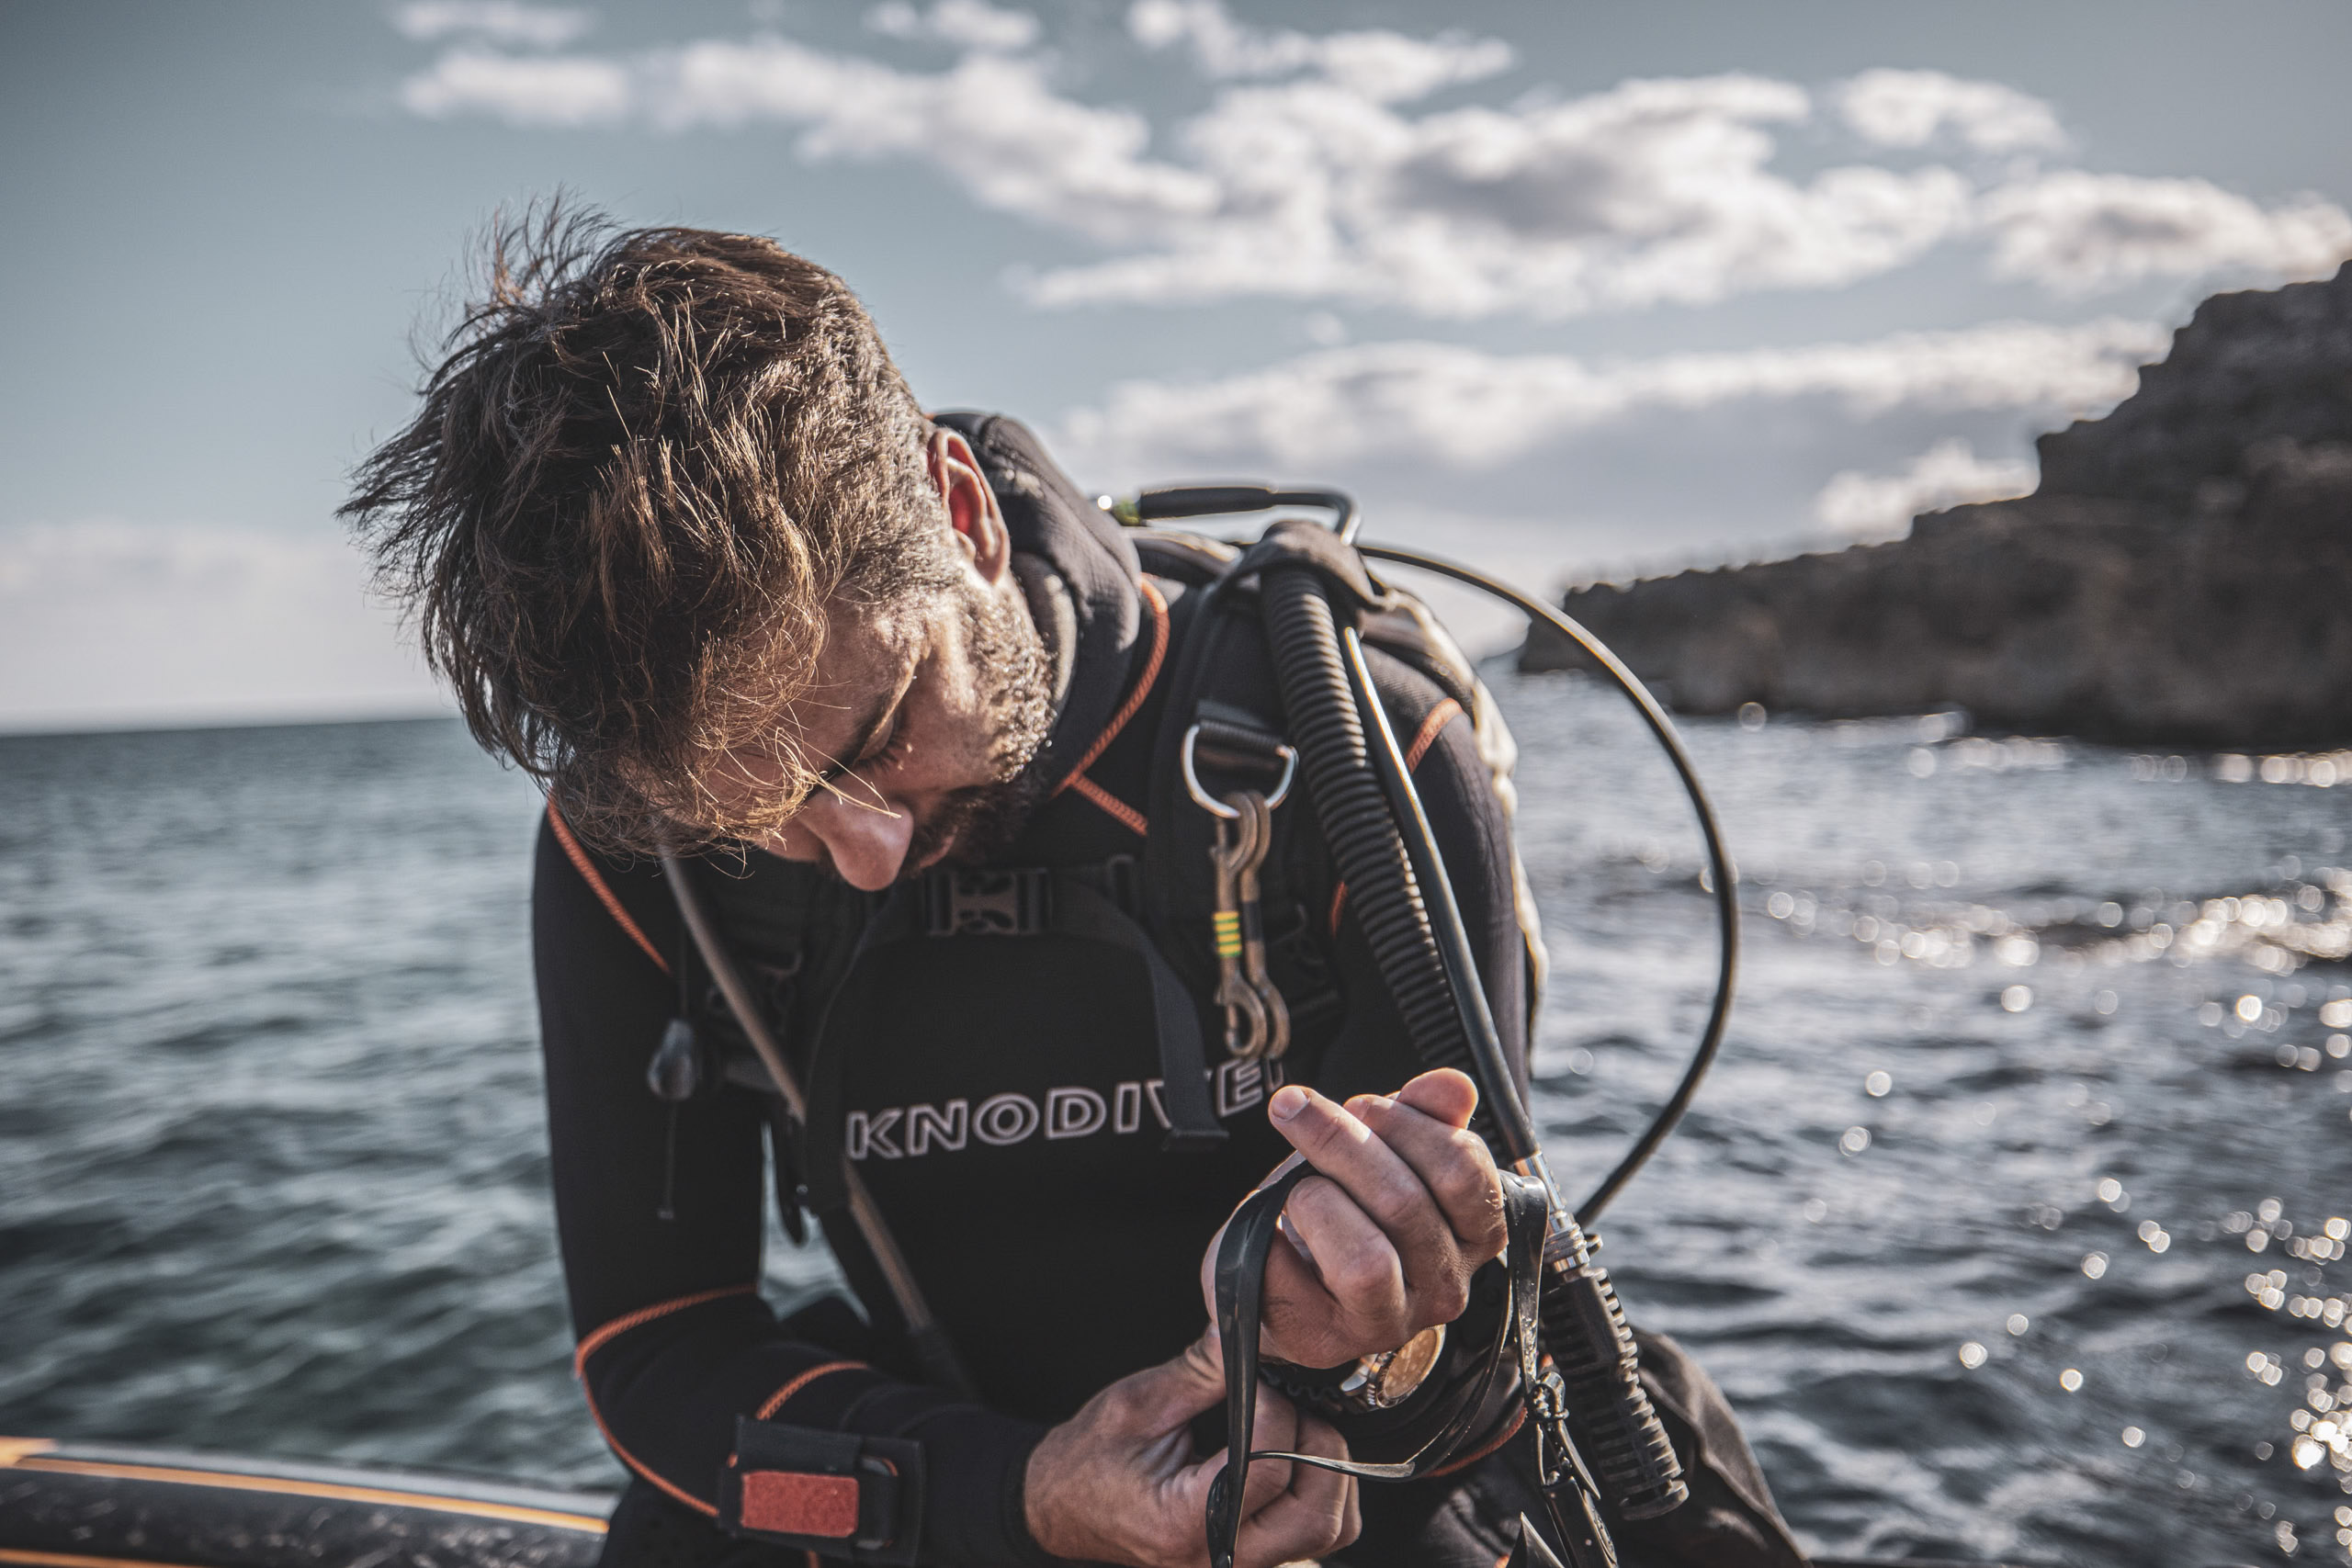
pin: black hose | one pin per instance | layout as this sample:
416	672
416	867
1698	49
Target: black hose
1199	501
1514	1129
1320	701
1383	845
1379	836
1210	501
1583	1326
1724	875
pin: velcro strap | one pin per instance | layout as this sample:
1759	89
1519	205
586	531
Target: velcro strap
835	1492
793	1502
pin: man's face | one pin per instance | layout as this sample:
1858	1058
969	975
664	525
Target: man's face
924	723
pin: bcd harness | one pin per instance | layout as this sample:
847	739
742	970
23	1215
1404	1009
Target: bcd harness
1269	677
1218	749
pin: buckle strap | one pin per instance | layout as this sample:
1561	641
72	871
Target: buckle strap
1018	901
1192	1126
1013	900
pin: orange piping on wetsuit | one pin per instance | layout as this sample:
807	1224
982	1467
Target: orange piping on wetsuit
1127	815
778	1400
587	869
603	1336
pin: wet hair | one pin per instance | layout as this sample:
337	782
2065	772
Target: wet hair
648	466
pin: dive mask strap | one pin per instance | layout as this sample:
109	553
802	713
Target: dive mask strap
1240	1280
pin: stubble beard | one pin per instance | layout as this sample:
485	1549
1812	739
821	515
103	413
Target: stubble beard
1009	657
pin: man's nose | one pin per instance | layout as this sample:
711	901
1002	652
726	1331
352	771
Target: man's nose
867	838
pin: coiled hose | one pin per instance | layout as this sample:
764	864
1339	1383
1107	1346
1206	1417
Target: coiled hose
1360	790
1319	699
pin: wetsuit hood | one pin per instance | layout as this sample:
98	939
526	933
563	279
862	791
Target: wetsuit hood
1079	572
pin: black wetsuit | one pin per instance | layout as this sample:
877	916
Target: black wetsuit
998	1098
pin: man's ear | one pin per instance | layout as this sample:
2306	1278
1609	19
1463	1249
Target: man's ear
972	510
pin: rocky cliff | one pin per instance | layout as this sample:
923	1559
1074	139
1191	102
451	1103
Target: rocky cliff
2183	575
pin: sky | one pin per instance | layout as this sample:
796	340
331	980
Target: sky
1571	291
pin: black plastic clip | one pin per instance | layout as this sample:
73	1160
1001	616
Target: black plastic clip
1013	900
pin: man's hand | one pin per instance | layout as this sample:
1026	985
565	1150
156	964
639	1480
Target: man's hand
1405	1208
1115	1483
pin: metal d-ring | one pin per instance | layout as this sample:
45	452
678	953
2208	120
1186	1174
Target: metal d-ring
1216	807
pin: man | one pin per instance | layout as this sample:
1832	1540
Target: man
689	552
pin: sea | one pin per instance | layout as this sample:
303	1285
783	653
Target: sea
2008	1220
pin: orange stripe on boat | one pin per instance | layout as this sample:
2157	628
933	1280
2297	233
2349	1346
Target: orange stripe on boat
326	1490
75	1560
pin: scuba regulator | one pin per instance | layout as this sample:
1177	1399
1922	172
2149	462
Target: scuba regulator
1598	1438
1598	1442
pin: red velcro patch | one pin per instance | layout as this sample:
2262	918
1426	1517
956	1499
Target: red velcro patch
791	1502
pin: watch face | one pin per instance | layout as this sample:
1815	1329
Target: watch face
1390	1377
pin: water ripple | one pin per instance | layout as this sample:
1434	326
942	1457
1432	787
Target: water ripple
2005	1219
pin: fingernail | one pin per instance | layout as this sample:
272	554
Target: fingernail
1288	1101
1363	1103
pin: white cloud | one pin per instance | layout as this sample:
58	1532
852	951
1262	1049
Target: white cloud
1320	186
563	91
1911	108
494	21
1655	191
2081	233
966	24
990	121
1463	409
994	122
1381	65
1314	188
1868	507
109	622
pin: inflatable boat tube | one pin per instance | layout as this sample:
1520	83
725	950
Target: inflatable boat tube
91	1506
